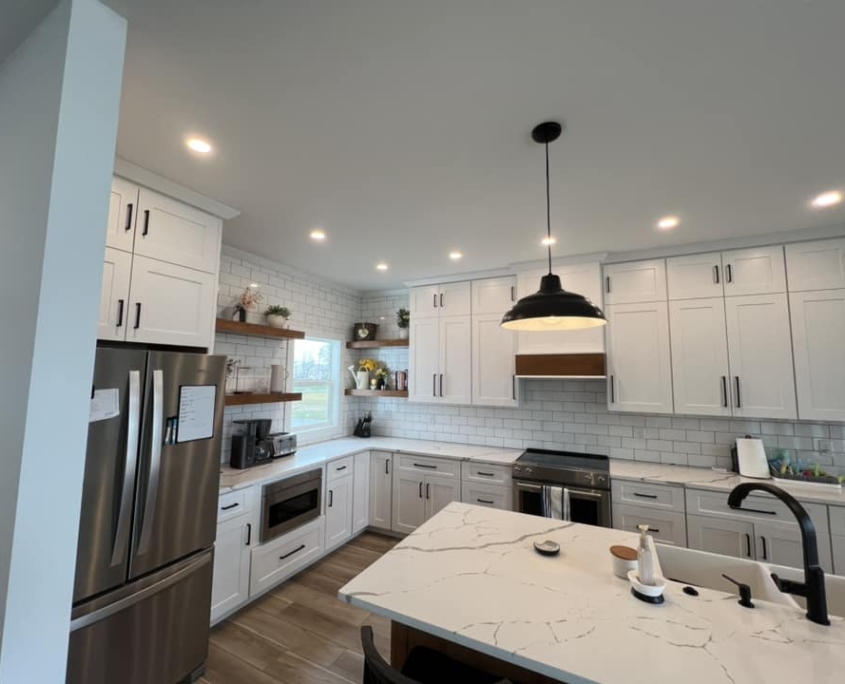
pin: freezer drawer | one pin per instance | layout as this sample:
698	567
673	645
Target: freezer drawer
153	631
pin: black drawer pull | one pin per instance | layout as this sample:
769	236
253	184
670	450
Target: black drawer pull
296	550
654	529
486	474
765	548
645	496
748	545
331	498
485	501
229	507
340	468
754	510
421	488
423	465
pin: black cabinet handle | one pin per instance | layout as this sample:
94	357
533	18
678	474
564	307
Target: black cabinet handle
738	400
146	222
645	496
612	391
607	284
513	383
427	490
386	467
441	300
748	545
421	489
137	315
331	498
119	313
765	548
129	209
485	501
296	550
337	470
441	384
654	529
229	507
754	510
725	390
513	293
248	534
485	474
434	302
425	465
729	273
716	273
434	384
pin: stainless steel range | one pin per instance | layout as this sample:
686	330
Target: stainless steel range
539	474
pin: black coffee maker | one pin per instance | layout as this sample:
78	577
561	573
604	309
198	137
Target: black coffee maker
251	444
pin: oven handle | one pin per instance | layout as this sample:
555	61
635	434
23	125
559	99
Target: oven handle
528	487
588	493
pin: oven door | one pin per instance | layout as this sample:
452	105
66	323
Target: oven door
587	506
290	503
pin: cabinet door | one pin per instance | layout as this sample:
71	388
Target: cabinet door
818	265
726	537
170	231
170	304
639	358
699	356
760	356
361	492
493	362
424	302
454	382
493	295
381	489
759	270
665	526
635	282
439	493
114	295
838	546
455	299
584	279
698	275
123	211
424	365
781	545
338	511
818	334
409	505
230	586
491	496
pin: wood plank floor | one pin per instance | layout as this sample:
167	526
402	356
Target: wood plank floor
300	633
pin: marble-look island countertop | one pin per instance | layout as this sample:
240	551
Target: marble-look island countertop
470	575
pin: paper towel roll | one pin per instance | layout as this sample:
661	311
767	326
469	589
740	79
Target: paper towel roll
751	458
278	375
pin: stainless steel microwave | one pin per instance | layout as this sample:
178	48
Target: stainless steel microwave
289	503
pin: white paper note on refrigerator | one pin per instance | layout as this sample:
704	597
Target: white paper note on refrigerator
196	412
105	404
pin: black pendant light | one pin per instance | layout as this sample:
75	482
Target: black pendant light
552	307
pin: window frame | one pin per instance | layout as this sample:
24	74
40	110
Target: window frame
333	428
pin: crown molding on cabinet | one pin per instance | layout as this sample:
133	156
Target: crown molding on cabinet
461	277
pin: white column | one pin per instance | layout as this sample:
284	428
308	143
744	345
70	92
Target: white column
59	100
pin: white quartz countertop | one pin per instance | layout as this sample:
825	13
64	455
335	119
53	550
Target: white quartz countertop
316	454
470	575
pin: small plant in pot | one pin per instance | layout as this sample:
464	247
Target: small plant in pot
277	316
403	320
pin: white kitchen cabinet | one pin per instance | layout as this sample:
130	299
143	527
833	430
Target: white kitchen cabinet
720	535
230	584
635	282
123	211
666	527
439	493
422	486
780	544
455	373
424	302
818	336
818	265
754	271
361	492
639	358
585	279
838	547
276	560
114	295
699	356
409	503
338	511
170	304
493	295
491	496
493	362
171	231
381	489
695	276
435	301
424	366
760	356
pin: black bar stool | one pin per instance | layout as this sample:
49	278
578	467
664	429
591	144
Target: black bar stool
423	666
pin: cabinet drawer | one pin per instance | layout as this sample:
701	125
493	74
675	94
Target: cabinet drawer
423	464
837	521
665	526
340	468
485	472
233	504
663	497
759	508
492	496
281	558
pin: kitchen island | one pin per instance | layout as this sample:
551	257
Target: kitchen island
471	578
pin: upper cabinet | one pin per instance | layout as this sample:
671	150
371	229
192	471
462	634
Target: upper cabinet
759	270
123	212
493	295
493	347
114	295
695	276
818	265
635	282
435	301
440	368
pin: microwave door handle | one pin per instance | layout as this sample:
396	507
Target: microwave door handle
155	463
124	517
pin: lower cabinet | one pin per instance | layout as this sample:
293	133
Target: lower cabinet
338	511
230	586
838	546
417	497
361	492
666	527
492	496
726	537
381	490
278	559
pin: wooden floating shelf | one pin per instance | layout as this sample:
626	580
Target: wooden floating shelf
376	393
561	365
274	398
256	330
375	344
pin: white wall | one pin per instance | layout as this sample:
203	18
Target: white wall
59	97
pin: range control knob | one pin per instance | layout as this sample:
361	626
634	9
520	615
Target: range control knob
529	469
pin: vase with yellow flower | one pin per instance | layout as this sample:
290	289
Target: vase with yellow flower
362	374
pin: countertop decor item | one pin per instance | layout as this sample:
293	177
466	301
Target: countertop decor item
624	560
365	331
277	316
552	307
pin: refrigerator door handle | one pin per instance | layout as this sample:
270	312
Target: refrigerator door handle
124	517
155	463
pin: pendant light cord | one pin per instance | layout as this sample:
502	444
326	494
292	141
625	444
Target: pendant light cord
548	210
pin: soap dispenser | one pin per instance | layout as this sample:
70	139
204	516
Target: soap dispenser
645	558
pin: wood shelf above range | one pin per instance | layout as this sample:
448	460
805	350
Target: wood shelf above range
257	330
375	344
272	398
376	393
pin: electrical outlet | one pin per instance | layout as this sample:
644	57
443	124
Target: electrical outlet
823	445
639	433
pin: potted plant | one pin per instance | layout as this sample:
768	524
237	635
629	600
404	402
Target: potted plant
277	316
403	320
246	305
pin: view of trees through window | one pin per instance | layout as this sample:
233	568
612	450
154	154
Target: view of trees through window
315	374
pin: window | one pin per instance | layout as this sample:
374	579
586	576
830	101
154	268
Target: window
316	373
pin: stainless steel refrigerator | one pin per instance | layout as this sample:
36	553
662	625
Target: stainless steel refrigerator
142	593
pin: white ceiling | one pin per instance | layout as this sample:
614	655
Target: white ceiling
402	128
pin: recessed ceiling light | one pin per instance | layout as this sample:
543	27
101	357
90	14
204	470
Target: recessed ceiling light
454	256
546	241
318	235
381	266
668	222
827	199
199	145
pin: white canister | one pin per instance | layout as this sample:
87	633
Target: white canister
278	375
